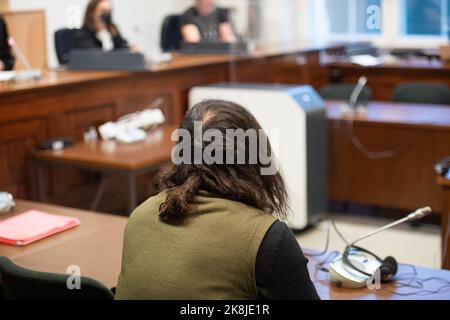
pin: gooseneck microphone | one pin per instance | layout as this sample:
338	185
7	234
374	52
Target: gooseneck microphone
356	93
416	215
349	272
28	73
19	53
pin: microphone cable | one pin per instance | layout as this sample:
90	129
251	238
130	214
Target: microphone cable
353	103
364	150
331	223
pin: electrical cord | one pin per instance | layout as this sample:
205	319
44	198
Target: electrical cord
366	152
331	223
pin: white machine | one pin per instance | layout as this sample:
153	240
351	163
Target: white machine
294	119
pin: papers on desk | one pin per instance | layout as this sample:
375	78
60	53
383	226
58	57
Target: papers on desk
32	226
365	60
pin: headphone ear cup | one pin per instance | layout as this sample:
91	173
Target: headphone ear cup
388	269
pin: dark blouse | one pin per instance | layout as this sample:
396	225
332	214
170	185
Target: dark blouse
281	267
87	39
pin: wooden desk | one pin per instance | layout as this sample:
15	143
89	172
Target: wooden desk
445	220
109	157
95	246
419	134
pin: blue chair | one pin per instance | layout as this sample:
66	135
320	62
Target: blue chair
170	33
432	93
64	43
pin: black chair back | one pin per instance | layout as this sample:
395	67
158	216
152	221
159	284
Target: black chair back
64	43
18	283
343	91
170	33
432	93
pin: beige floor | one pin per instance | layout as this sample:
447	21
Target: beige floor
413	245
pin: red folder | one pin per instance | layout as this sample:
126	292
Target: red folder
32	226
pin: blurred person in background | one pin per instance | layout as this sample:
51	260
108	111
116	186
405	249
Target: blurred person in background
6	58
206	22
99	31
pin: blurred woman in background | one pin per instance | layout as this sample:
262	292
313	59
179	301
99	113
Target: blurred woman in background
99	31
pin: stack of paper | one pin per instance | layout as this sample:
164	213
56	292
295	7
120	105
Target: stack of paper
32	226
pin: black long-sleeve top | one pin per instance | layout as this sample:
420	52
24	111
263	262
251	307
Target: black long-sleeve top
87	39
281	267
5	50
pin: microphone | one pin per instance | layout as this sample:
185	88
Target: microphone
416	215
29	73
353	103
19	53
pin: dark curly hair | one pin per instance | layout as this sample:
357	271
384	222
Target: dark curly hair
238	182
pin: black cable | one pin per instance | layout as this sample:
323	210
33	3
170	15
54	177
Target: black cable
331	223
339	233
324	251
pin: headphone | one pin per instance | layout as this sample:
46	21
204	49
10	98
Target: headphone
388	267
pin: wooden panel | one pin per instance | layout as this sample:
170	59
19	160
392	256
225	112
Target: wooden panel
17	140
419	135
79	121
28	28
4	5
71	108
391	181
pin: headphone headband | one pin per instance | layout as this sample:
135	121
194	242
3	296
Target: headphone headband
345	258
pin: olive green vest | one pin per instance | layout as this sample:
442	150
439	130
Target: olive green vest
211	255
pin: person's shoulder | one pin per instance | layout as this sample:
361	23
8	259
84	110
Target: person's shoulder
223	205
148	207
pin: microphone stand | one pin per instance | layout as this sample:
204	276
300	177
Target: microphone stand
351	107
418	214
